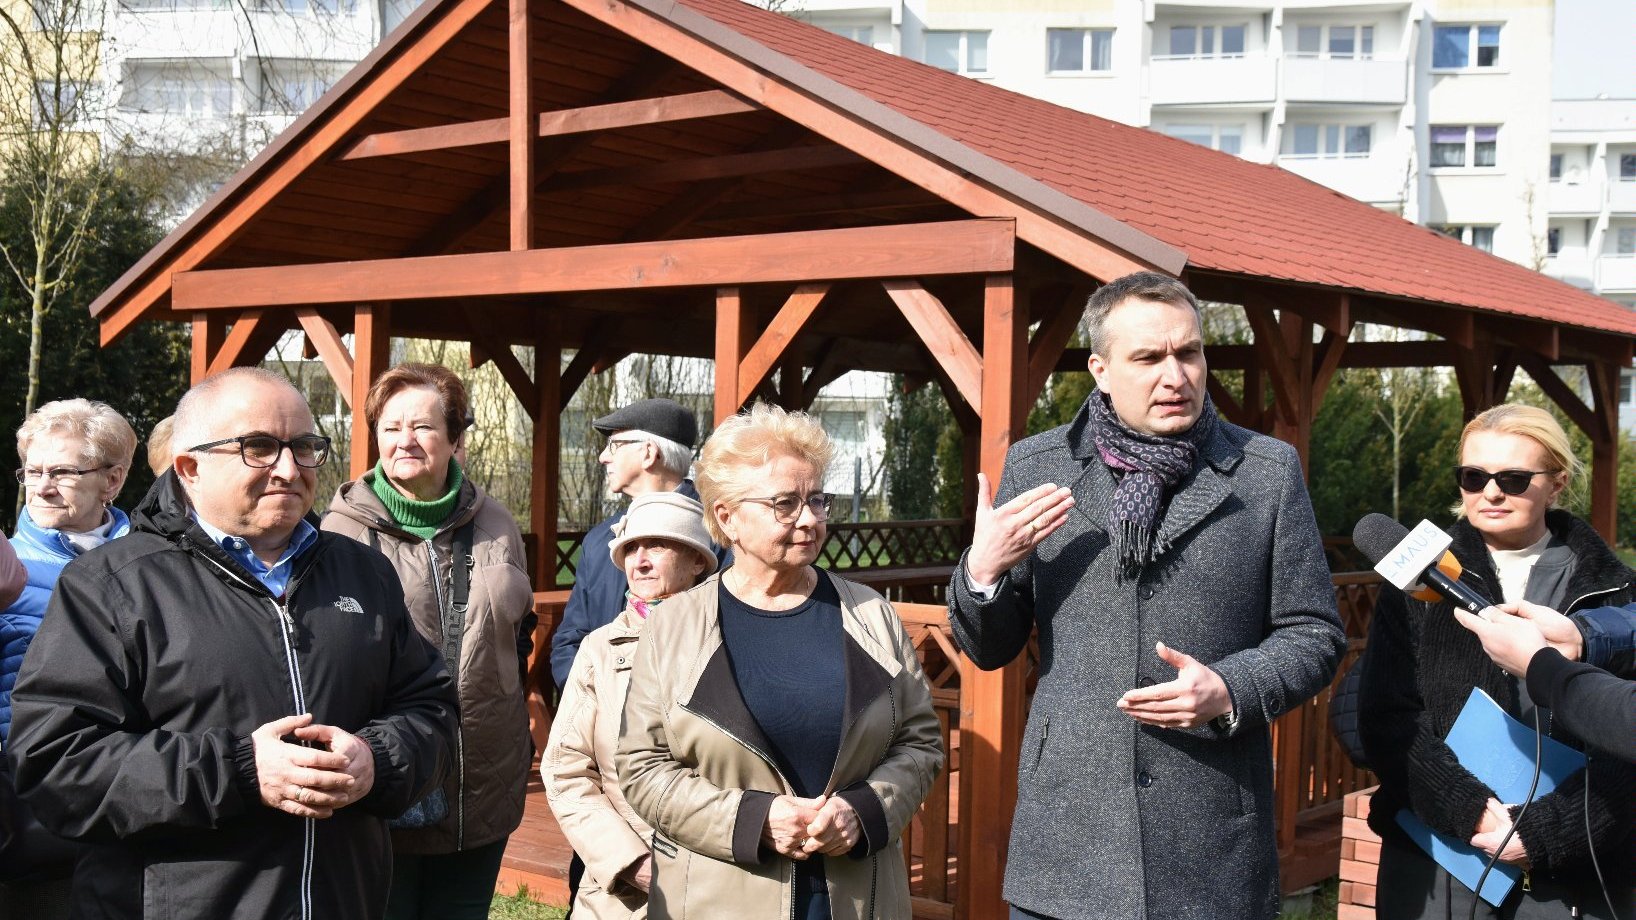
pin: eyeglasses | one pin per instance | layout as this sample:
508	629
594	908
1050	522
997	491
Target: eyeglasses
787	508
260	451
1511	482
614	444
62	474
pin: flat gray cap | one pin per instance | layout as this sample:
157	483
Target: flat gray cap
666	418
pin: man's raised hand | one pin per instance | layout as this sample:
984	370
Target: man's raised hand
1004	536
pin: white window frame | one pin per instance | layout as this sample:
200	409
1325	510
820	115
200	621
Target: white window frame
964	53
1473	48
1087	50
1328	131
1199	52
1467	234
851	33
1325	30
67	114
219	69
1470	164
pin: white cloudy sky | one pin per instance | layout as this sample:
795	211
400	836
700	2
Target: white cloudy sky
1595	49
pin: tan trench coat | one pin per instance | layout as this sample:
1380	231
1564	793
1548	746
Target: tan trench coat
690	753
578	769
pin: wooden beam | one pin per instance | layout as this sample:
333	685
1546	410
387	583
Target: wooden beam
591	118
209	331
776	340
991	722
1562	394
733	334
789	159
1331	351
238	339
892	199
1224	399
1276	360
520	93
371	354
324	339
1604	379
573	376
947	248
291	161
505	360
1099	258
669	219
1052	337
941	335
546	449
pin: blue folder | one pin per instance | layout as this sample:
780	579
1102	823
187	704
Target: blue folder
1498	750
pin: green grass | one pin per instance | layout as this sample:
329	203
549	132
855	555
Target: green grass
522	907
1317	904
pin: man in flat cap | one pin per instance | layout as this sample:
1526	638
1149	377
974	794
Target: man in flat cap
649	449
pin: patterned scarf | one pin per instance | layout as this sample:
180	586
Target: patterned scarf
1153	466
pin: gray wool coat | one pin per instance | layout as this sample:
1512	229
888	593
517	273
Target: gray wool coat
1116	820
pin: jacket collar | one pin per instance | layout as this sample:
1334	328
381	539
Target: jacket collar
52	541
164	511
868	670
1198	495
358	501
1597	569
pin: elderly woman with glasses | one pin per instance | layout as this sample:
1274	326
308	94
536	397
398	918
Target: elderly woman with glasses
75	455
460	557
779	734
1515	465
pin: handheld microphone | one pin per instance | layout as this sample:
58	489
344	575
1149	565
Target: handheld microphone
1416	561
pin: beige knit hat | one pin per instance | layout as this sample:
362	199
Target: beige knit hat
668	516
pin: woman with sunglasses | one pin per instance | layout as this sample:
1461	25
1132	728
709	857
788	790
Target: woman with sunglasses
779	734
1515	464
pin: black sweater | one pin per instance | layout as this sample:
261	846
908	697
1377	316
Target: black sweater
1419	670
1587	701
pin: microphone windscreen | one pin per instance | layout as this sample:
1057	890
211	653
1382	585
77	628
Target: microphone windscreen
1376	534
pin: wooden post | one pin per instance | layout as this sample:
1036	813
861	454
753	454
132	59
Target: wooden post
1604	378
733	337
371	352
209	331
1296	429
991	717
547	450
521	127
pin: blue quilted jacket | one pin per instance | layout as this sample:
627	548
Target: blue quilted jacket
44	552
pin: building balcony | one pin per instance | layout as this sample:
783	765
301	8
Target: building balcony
1366	178
1616	274
1575	197
1371	81
1622	197
1577	270
1212	81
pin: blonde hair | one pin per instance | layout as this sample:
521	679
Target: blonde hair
1537	425
108	438
160	454
752	439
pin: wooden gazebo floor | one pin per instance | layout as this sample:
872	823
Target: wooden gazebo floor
538	854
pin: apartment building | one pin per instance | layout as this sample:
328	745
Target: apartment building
1591	201
1436	109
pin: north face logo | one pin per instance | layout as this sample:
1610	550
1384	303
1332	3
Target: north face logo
348	605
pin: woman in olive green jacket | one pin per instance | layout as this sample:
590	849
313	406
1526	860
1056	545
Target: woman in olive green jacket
413	507
779	733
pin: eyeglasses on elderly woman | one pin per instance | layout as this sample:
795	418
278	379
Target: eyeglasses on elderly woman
58	474
787	507
260	451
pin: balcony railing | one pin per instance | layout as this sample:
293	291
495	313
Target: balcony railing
1616	273
1191	80
1371	80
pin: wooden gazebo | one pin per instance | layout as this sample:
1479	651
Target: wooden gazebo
705	178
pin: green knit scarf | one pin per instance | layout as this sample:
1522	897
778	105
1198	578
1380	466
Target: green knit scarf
419	518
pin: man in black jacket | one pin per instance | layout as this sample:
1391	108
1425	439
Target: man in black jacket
227	705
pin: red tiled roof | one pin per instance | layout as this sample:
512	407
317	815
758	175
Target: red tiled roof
1226	214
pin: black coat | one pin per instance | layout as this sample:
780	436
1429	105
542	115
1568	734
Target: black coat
1421	667
157	658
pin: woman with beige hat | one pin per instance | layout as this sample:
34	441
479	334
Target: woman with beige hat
663	549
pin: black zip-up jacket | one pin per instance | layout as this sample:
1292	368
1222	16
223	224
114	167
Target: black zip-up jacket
1421	667
157	658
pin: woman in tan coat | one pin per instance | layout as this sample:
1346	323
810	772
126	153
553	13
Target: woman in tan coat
663	549
460	558
779	734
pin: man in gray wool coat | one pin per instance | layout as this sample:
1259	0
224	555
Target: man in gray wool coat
1173	566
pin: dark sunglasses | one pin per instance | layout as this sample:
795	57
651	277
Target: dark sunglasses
1511	482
